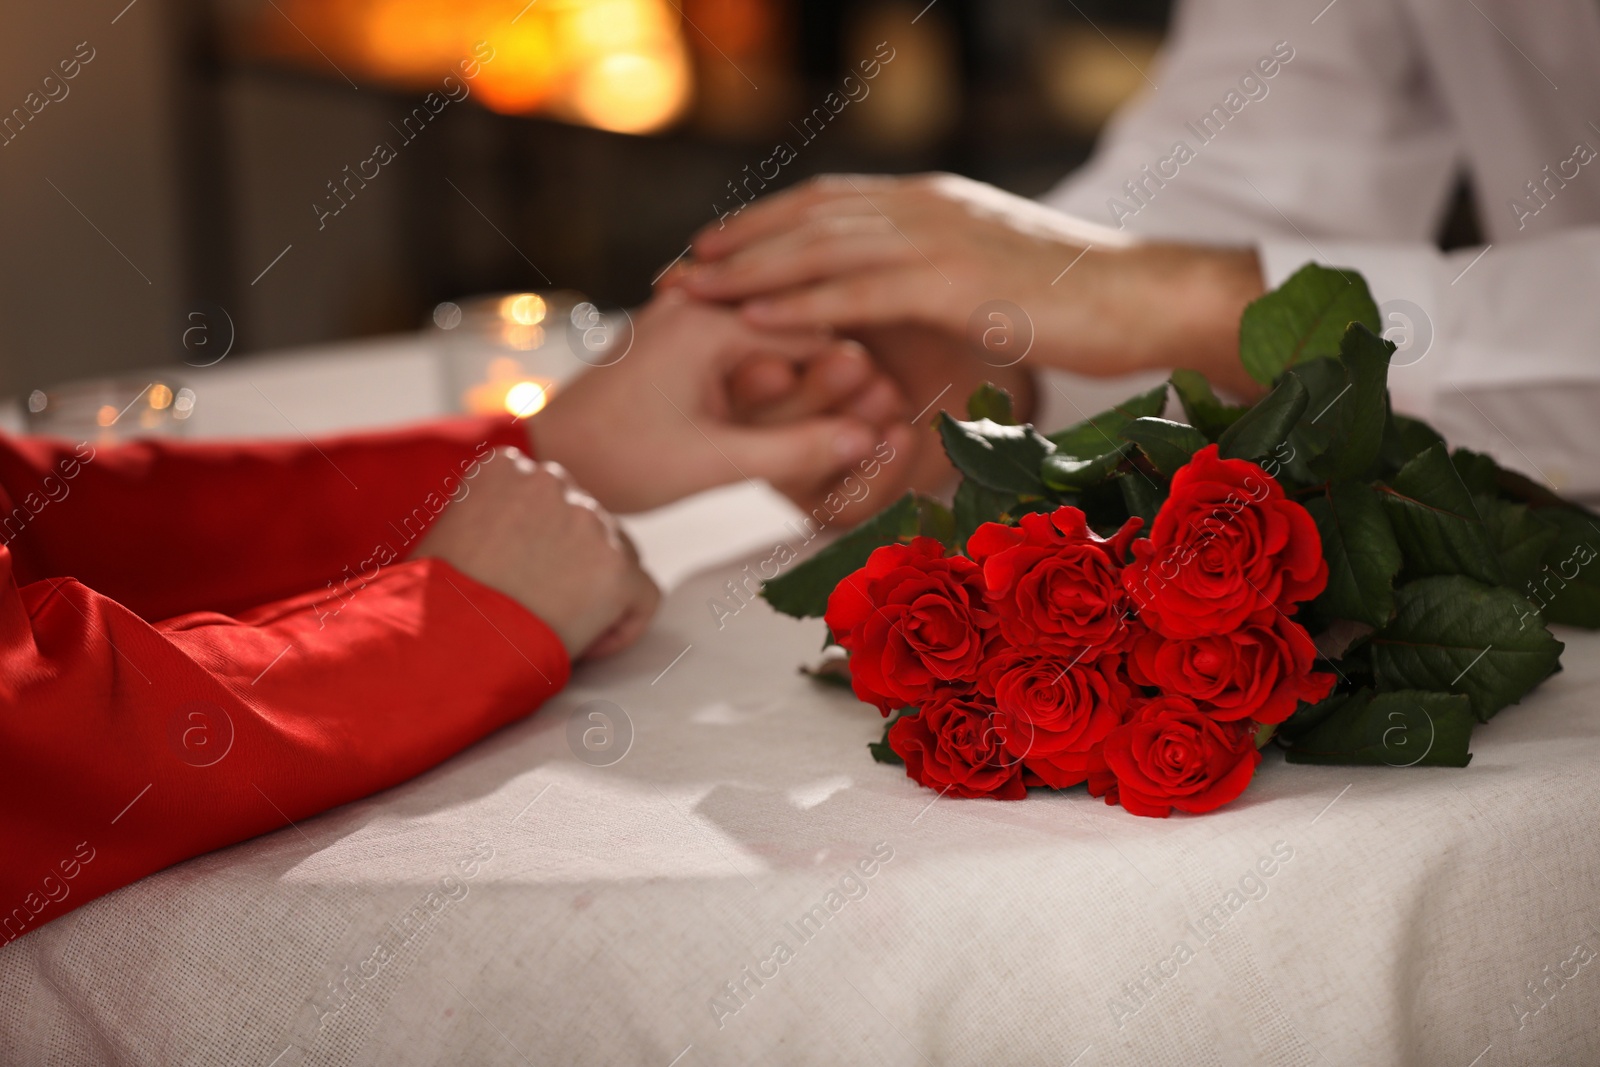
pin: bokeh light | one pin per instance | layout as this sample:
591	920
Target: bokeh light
620	65
526	398
525	309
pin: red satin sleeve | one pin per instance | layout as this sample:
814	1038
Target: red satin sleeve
165	528
130	742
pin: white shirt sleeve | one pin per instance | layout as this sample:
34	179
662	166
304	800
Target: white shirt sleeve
1500	346
1345	155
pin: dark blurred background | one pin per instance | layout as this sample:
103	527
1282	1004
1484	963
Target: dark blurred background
181	169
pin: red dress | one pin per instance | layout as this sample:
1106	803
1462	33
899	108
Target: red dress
201	643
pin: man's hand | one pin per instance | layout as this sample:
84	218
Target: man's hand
525	529
660	423
850	252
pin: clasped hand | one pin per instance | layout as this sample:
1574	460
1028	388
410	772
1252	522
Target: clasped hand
656	425
753	362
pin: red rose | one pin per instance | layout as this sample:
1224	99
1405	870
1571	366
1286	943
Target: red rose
1226	547
1051	712
914	620
1173	755
1260	672
953	746
1055	584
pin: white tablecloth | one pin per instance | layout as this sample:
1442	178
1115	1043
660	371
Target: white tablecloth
520	905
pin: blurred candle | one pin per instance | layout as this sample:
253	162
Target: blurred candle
509	389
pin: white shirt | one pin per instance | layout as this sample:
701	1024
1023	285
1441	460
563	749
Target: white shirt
1347	154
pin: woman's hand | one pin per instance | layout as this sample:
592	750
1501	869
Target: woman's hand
660	423
526	529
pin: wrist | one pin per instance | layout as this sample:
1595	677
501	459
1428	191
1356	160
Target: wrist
1190	299
551	441
563	434
1229	279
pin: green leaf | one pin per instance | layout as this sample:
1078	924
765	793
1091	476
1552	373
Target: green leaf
1065	474
804	591
880	749
1454	634
1267	424
1307	716
1405	438
1104	505
1102	433
1479	473
1302	319
883	753
1325	379
1205	412
1416	435
1363	556
1290	462
991	402
975	505
1521	488
936	521
1004	458
1568	584
1168	444
1404	728
1520	536
1356	416
1143	497
1437	523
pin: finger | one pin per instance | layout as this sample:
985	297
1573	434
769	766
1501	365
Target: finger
722	338
760	380
627	544
825	383
816	251
774	214
803	452
699	338
884	480
881	403
644	597
879	299
673	276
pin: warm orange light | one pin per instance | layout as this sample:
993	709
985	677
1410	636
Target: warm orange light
526	309
409	39
509	389
527	398
603	26
527	68
160	397
621	65
631	92
106	415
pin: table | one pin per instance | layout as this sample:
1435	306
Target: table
535	907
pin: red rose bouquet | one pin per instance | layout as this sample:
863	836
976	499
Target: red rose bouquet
1139	605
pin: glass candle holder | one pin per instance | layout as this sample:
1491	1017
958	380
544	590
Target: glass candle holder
110	410
510	353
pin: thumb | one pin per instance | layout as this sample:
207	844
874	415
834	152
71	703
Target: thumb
801	452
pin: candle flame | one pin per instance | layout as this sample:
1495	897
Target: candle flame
510	390
526	399
525	309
